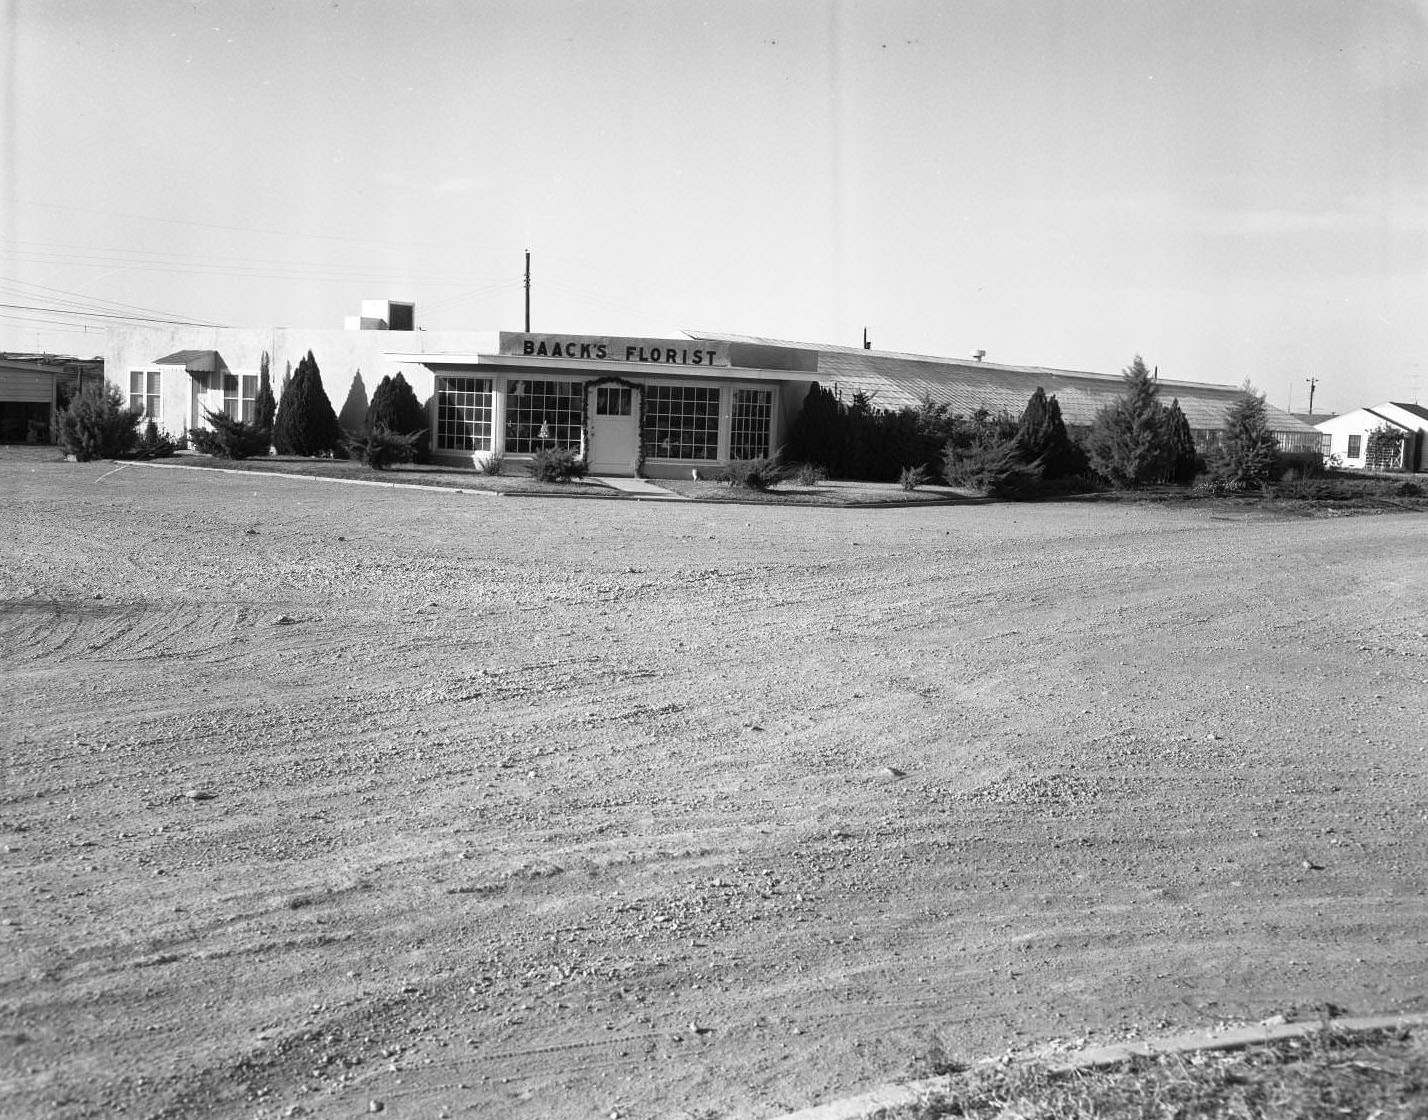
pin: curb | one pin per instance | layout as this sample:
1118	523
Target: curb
870	1105
603	494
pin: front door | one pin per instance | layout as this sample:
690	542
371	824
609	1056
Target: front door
614	412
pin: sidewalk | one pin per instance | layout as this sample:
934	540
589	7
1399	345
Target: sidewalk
638	488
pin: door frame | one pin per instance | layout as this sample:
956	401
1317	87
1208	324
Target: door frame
636	458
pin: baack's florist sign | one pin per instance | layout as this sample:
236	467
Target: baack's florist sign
603	348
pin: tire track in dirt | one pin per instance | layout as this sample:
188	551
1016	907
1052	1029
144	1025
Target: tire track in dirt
628	769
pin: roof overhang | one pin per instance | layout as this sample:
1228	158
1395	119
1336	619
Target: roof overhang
195	362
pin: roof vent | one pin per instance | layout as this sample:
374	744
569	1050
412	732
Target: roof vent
979	354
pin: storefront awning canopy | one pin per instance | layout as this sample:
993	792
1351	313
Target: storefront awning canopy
195	361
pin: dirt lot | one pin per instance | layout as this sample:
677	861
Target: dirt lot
529	808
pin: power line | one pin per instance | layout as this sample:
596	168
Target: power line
91	303
247	229
238	268
111	315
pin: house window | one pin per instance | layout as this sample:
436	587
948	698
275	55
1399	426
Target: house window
612	400
1355	447
240	392
752	420
144	393
464	414
541	414
681	422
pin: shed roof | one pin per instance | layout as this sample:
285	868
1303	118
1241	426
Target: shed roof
896	380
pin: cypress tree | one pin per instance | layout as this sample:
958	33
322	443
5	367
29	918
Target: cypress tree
265	405
1042	436
306	423
1127	444
816	435
395	407
1248	454
1182	458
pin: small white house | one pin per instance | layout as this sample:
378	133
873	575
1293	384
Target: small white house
1349	436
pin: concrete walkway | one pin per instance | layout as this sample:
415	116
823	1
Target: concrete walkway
637	488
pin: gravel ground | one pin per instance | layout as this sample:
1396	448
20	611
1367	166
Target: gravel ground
324	799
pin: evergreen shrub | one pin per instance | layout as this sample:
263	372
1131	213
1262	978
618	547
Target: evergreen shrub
153	444
994	468
556	464
306	423
492	463
1042	437
96	424
1128	443
1182	461
265	405
227	438
395	407
380	447
1248	454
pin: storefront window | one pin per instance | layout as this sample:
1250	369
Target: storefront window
752	420
541	414
463	414
681	422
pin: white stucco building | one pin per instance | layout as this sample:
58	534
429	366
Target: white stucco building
1349	436
656	406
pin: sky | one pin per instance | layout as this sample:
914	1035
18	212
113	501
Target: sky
1233	190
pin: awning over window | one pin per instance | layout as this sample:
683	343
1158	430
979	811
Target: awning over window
195	361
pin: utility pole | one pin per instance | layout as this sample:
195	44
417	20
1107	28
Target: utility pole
1312	382
867	345
528	291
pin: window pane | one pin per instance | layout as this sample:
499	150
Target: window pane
230	383
250	386
152	410
136	381
681	422
154	381
612	400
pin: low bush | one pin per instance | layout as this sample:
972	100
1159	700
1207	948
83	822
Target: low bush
1407	490
995	469
96	424
556	464
913	477
492	463
753	474
153	444
381	447
227	438
808	474
1300	464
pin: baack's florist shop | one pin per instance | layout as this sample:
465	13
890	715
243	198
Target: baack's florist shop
656	407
